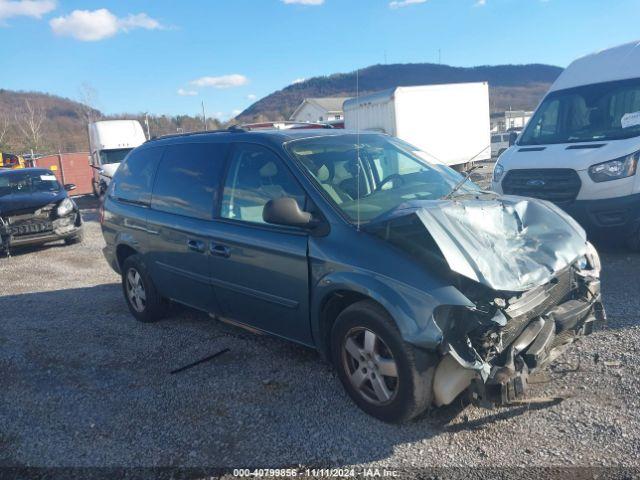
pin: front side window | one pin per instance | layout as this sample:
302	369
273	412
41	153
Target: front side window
368	175
599	112
188	179
28	182
255	176
113	156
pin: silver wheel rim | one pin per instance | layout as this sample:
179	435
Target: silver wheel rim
135	290
370	366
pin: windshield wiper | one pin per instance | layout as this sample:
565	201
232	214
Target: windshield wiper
464	180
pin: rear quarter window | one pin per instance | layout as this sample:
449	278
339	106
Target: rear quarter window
134	178
188	179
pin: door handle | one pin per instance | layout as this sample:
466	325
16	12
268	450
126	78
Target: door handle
220	251
196	245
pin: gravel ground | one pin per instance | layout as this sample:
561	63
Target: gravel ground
84	385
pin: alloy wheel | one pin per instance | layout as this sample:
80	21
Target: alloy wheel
135	290
370	366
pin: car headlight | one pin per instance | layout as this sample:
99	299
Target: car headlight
590	261
615	169
498	171
65	207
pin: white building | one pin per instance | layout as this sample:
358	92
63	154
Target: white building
319	110
517	119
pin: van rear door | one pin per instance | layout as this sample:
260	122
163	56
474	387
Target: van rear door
185	191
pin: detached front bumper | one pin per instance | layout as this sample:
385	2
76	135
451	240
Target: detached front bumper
537	327
544	340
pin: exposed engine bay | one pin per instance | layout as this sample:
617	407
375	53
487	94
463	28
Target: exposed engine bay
530	274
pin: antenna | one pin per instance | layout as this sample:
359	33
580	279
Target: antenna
358	148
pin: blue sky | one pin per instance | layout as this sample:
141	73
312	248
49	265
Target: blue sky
166	56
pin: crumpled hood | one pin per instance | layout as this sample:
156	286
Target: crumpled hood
504	242
17	202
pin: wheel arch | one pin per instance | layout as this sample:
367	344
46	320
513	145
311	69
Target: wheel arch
410	309
124	251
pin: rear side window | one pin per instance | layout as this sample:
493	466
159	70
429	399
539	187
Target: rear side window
188	179
134	179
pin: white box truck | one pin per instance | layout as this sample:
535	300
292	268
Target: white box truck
109	143
448	122
581	148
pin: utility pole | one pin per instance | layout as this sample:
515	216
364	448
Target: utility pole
204	117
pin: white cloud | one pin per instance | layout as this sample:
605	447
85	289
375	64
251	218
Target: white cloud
404	3
252	96
303	2
187	93
298	80
224	81
25	8
94	25
236	112
480	3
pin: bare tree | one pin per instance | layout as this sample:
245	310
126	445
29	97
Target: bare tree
29	122
88	98
4	128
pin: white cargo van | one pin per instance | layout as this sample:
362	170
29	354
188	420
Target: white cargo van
448	122
581	148
109	142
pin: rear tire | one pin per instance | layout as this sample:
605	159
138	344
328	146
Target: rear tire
385	376
143	300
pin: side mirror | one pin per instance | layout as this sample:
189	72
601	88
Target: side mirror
513	136
286	211
70	186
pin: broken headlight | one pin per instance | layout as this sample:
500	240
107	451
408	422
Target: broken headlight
65	207
498	171
593	258
622	167
590	261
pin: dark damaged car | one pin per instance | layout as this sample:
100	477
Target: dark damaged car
416	284
36	209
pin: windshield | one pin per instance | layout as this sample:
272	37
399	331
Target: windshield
113	156
603	111
381	171
28	182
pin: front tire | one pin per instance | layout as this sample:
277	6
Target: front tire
385	376
143	300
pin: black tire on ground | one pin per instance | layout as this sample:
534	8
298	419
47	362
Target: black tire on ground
75	239
154	306
415	367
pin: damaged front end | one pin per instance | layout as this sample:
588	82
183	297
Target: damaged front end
495	347
527	269
30	226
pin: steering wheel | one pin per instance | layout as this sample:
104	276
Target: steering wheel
390	178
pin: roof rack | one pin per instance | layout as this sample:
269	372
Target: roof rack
280	125
246	127
199	132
